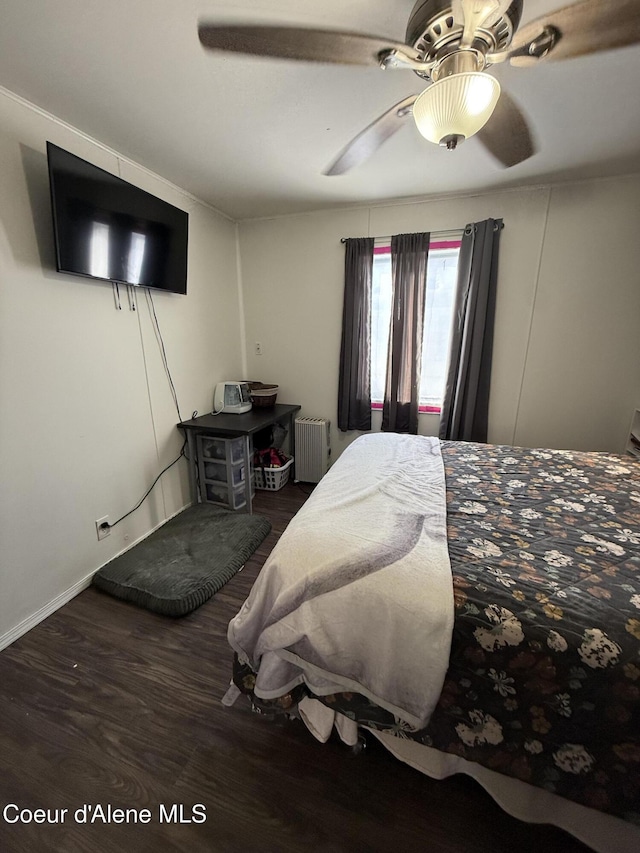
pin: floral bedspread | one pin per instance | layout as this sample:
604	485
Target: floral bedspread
544	675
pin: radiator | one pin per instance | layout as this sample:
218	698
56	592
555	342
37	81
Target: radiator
312	449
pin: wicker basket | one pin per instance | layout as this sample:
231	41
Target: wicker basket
273	479
262	395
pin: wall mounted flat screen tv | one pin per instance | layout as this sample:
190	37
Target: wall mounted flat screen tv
105	228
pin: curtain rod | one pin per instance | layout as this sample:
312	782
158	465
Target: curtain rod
452	232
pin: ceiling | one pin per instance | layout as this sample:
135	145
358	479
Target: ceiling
251	136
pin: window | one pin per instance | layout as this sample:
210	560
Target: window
442	270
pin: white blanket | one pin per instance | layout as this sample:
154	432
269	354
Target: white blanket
357	594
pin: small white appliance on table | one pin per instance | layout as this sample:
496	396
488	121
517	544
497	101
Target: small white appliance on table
232	397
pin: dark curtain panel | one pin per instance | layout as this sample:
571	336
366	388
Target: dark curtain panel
465	406
354	384
409	254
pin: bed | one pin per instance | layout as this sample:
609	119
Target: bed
477	607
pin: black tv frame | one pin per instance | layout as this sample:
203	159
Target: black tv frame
85	197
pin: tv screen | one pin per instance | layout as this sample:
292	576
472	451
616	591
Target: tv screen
106	228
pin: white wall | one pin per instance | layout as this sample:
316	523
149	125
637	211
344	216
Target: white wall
567	343
582	377
87	420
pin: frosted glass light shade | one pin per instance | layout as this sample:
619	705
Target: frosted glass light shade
458	105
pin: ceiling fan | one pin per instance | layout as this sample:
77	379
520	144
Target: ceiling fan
450	44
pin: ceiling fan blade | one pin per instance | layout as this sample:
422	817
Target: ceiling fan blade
506	135
586	27
371	138
300	43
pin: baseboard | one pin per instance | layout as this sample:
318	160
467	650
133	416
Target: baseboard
55	604
65	597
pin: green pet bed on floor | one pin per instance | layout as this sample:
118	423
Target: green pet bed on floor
186	561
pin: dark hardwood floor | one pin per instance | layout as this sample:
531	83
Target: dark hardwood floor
105	703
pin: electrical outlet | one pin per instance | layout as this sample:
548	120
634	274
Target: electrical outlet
103	532
258	348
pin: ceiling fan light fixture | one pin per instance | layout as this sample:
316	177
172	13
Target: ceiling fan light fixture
456	107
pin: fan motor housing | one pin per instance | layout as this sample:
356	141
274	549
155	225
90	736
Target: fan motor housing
433	31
